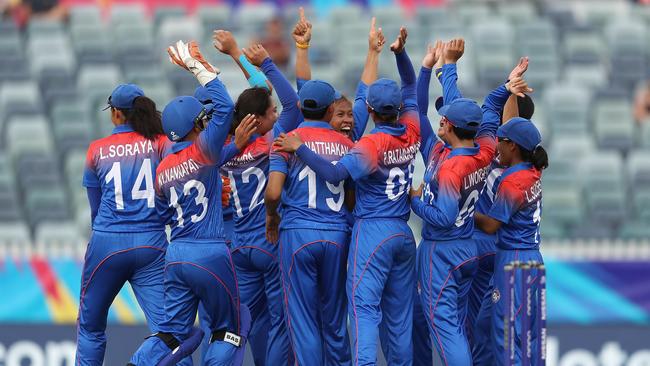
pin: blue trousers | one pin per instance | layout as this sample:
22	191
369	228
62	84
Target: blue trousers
313	277
500	305
445	274
197	272
258	276
381	274
479	314
111	260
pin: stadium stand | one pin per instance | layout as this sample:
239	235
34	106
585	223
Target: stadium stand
585	62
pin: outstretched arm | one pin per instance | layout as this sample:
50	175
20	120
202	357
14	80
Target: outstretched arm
290	117
452	52
406	73
376	43
302	36
424	79
226	44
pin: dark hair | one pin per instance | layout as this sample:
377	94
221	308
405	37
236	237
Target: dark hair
526	106
254	101
314	115
538	157
464	134
386	118
144	118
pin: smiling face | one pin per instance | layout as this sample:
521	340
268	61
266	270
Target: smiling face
269	117
506	149
445	129
342	119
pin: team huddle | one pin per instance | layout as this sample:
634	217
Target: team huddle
290	230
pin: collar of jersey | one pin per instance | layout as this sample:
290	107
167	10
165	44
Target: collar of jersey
464	151
319	124
125	127
516	168
395	129
180	145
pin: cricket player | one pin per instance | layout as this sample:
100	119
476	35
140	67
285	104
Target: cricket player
128	240
198	264
454	178
256	259
381	258
515	217
314	234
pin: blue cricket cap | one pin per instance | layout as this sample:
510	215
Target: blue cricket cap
384	96
316	95
179	116
201	93
521	131
123	96
463	113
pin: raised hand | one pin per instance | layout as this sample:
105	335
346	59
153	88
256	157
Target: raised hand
453	50
189	57
432	56
302	31
518	87
376	38
225	191
438	54
245	131
520	69
400	42
256	54
287	143
225	42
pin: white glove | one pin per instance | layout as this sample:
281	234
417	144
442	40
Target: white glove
189	57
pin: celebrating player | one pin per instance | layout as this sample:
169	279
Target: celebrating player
454	178
313	235
381	260
128	241
255	258
479	309
198	265
515	215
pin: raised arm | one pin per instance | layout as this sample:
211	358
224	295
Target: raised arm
376	43
406	73
302	36
452	52
422	86
290	117
226	44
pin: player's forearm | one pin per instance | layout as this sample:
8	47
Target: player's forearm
449	81
286	93
511	109
408	79
228	152
360	111
492	107
323	168
422	86
303	68
216	132
370	69
432	215
486	224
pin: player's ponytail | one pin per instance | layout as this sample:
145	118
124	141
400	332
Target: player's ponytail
144	118
538	157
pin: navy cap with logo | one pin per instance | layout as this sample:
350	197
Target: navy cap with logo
384	96
123	96
463	113
180	115
317	95
522	132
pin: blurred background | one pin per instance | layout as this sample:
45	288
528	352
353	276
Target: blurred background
589	61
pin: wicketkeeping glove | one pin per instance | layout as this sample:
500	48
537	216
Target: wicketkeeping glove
189	57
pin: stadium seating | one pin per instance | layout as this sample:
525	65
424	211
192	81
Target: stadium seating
584	60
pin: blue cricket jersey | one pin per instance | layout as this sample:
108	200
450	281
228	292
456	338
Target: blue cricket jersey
188	187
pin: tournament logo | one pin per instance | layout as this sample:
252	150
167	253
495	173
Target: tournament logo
496	295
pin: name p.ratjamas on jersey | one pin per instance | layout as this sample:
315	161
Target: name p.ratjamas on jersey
402	155
121	150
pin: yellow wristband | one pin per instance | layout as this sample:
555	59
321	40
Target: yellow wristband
302	45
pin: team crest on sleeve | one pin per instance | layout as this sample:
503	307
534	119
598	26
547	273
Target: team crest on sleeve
496	296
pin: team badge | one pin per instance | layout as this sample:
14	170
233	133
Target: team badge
496	295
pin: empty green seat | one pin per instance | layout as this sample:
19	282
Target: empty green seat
186	29
639	230
568	108
613	124
563	205
14	233
27	134
85	15
127	14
